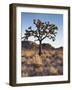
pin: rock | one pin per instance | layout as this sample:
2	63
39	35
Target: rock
39	69
54	64
60	69
59	62
46	71
48	61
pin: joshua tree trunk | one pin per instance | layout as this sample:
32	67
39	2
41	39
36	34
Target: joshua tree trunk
40	47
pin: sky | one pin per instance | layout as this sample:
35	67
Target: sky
57	19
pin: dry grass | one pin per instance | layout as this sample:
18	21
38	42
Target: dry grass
53	70
28	53
37	59
35	65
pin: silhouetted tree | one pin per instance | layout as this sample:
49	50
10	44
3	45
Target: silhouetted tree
43	30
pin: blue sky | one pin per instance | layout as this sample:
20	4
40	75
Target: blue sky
57	19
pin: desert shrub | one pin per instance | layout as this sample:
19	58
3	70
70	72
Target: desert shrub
37	60
28	53
48	63
53	70
24	71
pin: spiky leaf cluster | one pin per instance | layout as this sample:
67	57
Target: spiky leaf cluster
42	30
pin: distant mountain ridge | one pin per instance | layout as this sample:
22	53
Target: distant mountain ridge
31	45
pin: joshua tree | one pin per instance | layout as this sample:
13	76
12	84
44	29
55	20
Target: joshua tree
43	30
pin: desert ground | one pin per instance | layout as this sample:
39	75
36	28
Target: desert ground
50	62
